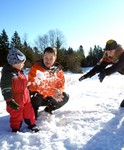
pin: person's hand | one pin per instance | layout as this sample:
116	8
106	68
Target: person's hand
12	104
58	96
82	78
102	75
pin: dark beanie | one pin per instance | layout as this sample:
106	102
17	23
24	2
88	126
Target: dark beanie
15	56
110	45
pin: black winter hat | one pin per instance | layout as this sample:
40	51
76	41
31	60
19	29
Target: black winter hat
110	45
15	56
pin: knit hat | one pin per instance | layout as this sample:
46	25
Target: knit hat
15	56
110	45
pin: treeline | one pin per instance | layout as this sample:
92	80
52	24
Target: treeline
72	60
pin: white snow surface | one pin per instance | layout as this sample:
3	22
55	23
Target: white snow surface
91	120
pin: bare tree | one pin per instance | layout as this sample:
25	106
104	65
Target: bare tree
52	38
42	42
55	36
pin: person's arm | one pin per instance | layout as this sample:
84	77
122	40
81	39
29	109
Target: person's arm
32	74
98	68
58	95
6	84
6	87
31	78
60	81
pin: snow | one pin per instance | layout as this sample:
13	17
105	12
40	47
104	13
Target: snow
91	120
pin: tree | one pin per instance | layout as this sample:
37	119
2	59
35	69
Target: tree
4	47
94	56
36	53
42	42
58	44
70	50
73	63
56	38
97	53
29	53
30	58
89	58
53	38
81	55
61	58
16	40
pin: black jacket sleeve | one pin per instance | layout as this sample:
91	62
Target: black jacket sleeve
6	84
98	68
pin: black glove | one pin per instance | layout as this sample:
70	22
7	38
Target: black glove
12	104
102	75
82	78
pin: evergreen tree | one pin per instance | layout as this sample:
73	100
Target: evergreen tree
25	45
4	47
81	55
38	55
16	40
30	56
61	58
97	54
94	56
70	50
89	58
58	44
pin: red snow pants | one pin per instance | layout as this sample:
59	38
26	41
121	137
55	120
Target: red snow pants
25	112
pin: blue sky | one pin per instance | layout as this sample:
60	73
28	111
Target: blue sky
82	22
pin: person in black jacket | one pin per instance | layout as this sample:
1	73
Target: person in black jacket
111	62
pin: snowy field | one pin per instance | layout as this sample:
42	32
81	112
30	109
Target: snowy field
91	120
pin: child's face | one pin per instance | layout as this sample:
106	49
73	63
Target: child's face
49	59
19	66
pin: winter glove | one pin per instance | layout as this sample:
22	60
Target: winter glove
82	78
102	75
12	104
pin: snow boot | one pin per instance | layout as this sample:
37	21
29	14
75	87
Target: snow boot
34	128
15	130
48	110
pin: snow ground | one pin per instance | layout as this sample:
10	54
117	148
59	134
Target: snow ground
91	120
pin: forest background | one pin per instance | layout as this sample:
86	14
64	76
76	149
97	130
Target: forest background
72	60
